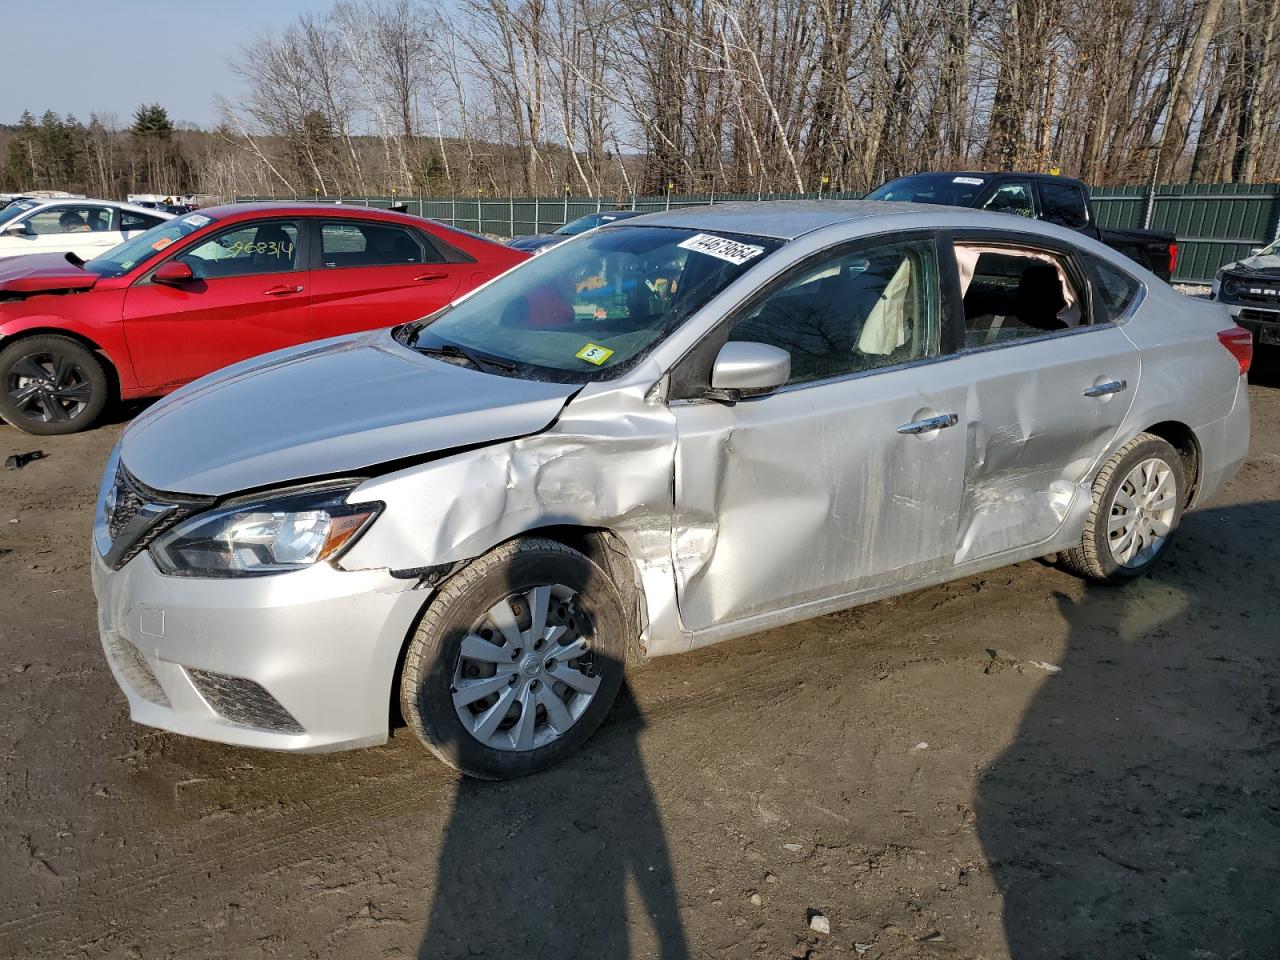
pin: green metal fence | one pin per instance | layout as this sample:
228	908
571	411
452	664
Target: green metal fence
1214	223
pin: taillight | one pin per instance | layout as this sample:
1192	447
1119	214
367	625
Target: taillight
1173	258
1239	343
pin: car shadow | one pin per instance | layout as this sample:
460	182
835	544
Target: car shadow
1137	811
541	867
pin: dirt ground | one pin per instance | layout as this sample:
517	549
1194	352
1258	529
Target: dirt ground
1012	765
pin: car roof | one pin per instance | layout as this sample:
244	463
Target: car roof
784	219
41	204
989	175
308	208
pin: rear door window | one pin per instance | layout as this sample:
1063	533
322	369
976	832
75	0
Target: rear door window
352	244
1064	204
1012	198
1013	293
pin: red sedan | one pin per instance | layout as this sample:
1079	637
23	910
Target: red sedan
211	288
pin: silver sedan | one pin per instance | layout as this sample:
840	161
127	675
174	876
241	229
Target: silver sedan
665	433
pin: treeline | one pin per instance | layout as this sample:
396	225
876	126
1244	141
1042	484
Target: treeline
640	96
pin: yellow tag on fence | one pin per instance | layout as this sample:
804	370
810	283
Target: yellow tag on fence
594	353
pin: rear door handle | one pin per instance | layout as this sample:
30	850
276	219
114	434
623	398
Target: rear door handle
430	277
1105	389
281	290
940	422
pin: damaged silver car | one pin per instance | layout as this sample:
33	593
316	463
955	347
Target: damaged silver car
668	432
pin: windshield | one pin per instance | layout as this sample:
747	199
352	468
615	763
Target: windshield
957	190
581	225
123	257
591	307
15	210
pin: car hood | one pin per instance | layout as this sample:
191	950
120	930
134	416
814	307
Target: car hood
43	273
536	241
334	407
1257	266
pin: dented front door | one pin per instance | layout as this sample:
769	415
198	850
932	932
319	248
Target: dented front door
816	491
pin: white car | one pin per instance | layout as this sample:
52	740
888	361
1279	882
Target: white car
83	227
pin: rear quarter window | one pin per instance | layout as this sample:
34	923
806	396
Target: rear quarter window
1117	291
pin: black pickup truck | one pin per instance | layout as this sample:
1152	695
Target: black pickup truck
1059	200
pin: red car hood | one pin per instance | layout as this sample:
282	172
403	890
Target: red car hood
43	273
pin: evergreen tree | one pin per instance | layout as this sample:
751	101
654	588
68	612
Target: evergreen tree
151	121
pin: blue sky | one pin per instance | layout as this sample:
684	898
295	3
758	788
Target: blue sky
108	56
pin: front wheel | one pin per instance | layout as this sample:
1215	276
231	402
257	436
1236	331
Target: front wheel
51	385
516	661
1137	503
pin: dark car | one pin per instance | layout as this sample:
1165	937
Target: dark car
1041	196
1250	289
544	241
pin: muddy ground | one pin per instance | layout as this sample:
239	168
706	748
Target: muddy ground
1012	765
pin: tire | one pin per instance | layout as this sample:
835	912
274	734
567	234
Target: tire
51	385
1100	556
490	737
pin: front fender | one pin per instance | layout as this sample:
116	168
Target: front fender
607	463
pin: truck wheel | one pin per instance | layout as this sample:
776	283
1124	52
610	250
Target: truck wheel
1138	497
51	385
516	661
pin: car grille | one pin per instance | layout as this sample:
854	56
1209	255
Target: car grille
1251	289
135	515
243	701
1260	316
134	669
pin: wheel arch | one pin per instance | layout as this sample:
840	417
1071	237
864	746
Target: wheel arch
109	365
602	545
1183	439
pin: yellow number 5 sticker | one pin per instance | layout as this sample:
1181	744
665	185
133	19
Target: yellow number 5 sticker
594	353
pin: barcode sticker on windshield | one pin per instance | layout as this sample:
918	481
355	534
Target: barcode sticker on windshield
713	246
197	219
971	181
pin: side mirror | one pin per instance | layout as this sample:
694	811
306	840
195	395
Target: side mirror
1254	251
175	272
16	230
745	369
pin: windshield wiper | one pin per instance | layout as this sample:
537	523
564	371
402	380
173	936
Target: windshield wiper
483	364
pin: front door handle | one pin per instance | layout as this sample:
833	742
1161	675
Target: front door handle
940	422
1106	389
430	277
282	290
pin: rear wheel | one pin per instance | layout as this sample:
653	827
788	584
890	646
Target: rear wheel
1137	504
516	661
51	385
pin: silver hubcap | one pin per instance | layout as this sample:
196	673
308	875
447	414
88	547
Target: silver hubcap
1142	513
526	673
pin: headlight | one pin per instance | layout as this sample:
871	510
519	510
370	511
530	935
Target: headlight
1231	287
288	531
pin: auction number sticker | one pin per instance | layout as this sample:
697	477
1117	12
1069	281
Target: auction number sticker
197	220
712	246
971	181
594	353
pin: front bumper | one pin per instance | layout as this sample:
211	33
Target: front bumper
299	661
1261	317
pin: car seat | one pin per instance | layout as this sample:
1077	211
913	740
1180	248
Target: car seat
265	261
1039	298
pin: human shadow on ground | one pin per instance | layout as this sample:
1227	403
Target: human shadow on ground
1137	812
542	867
